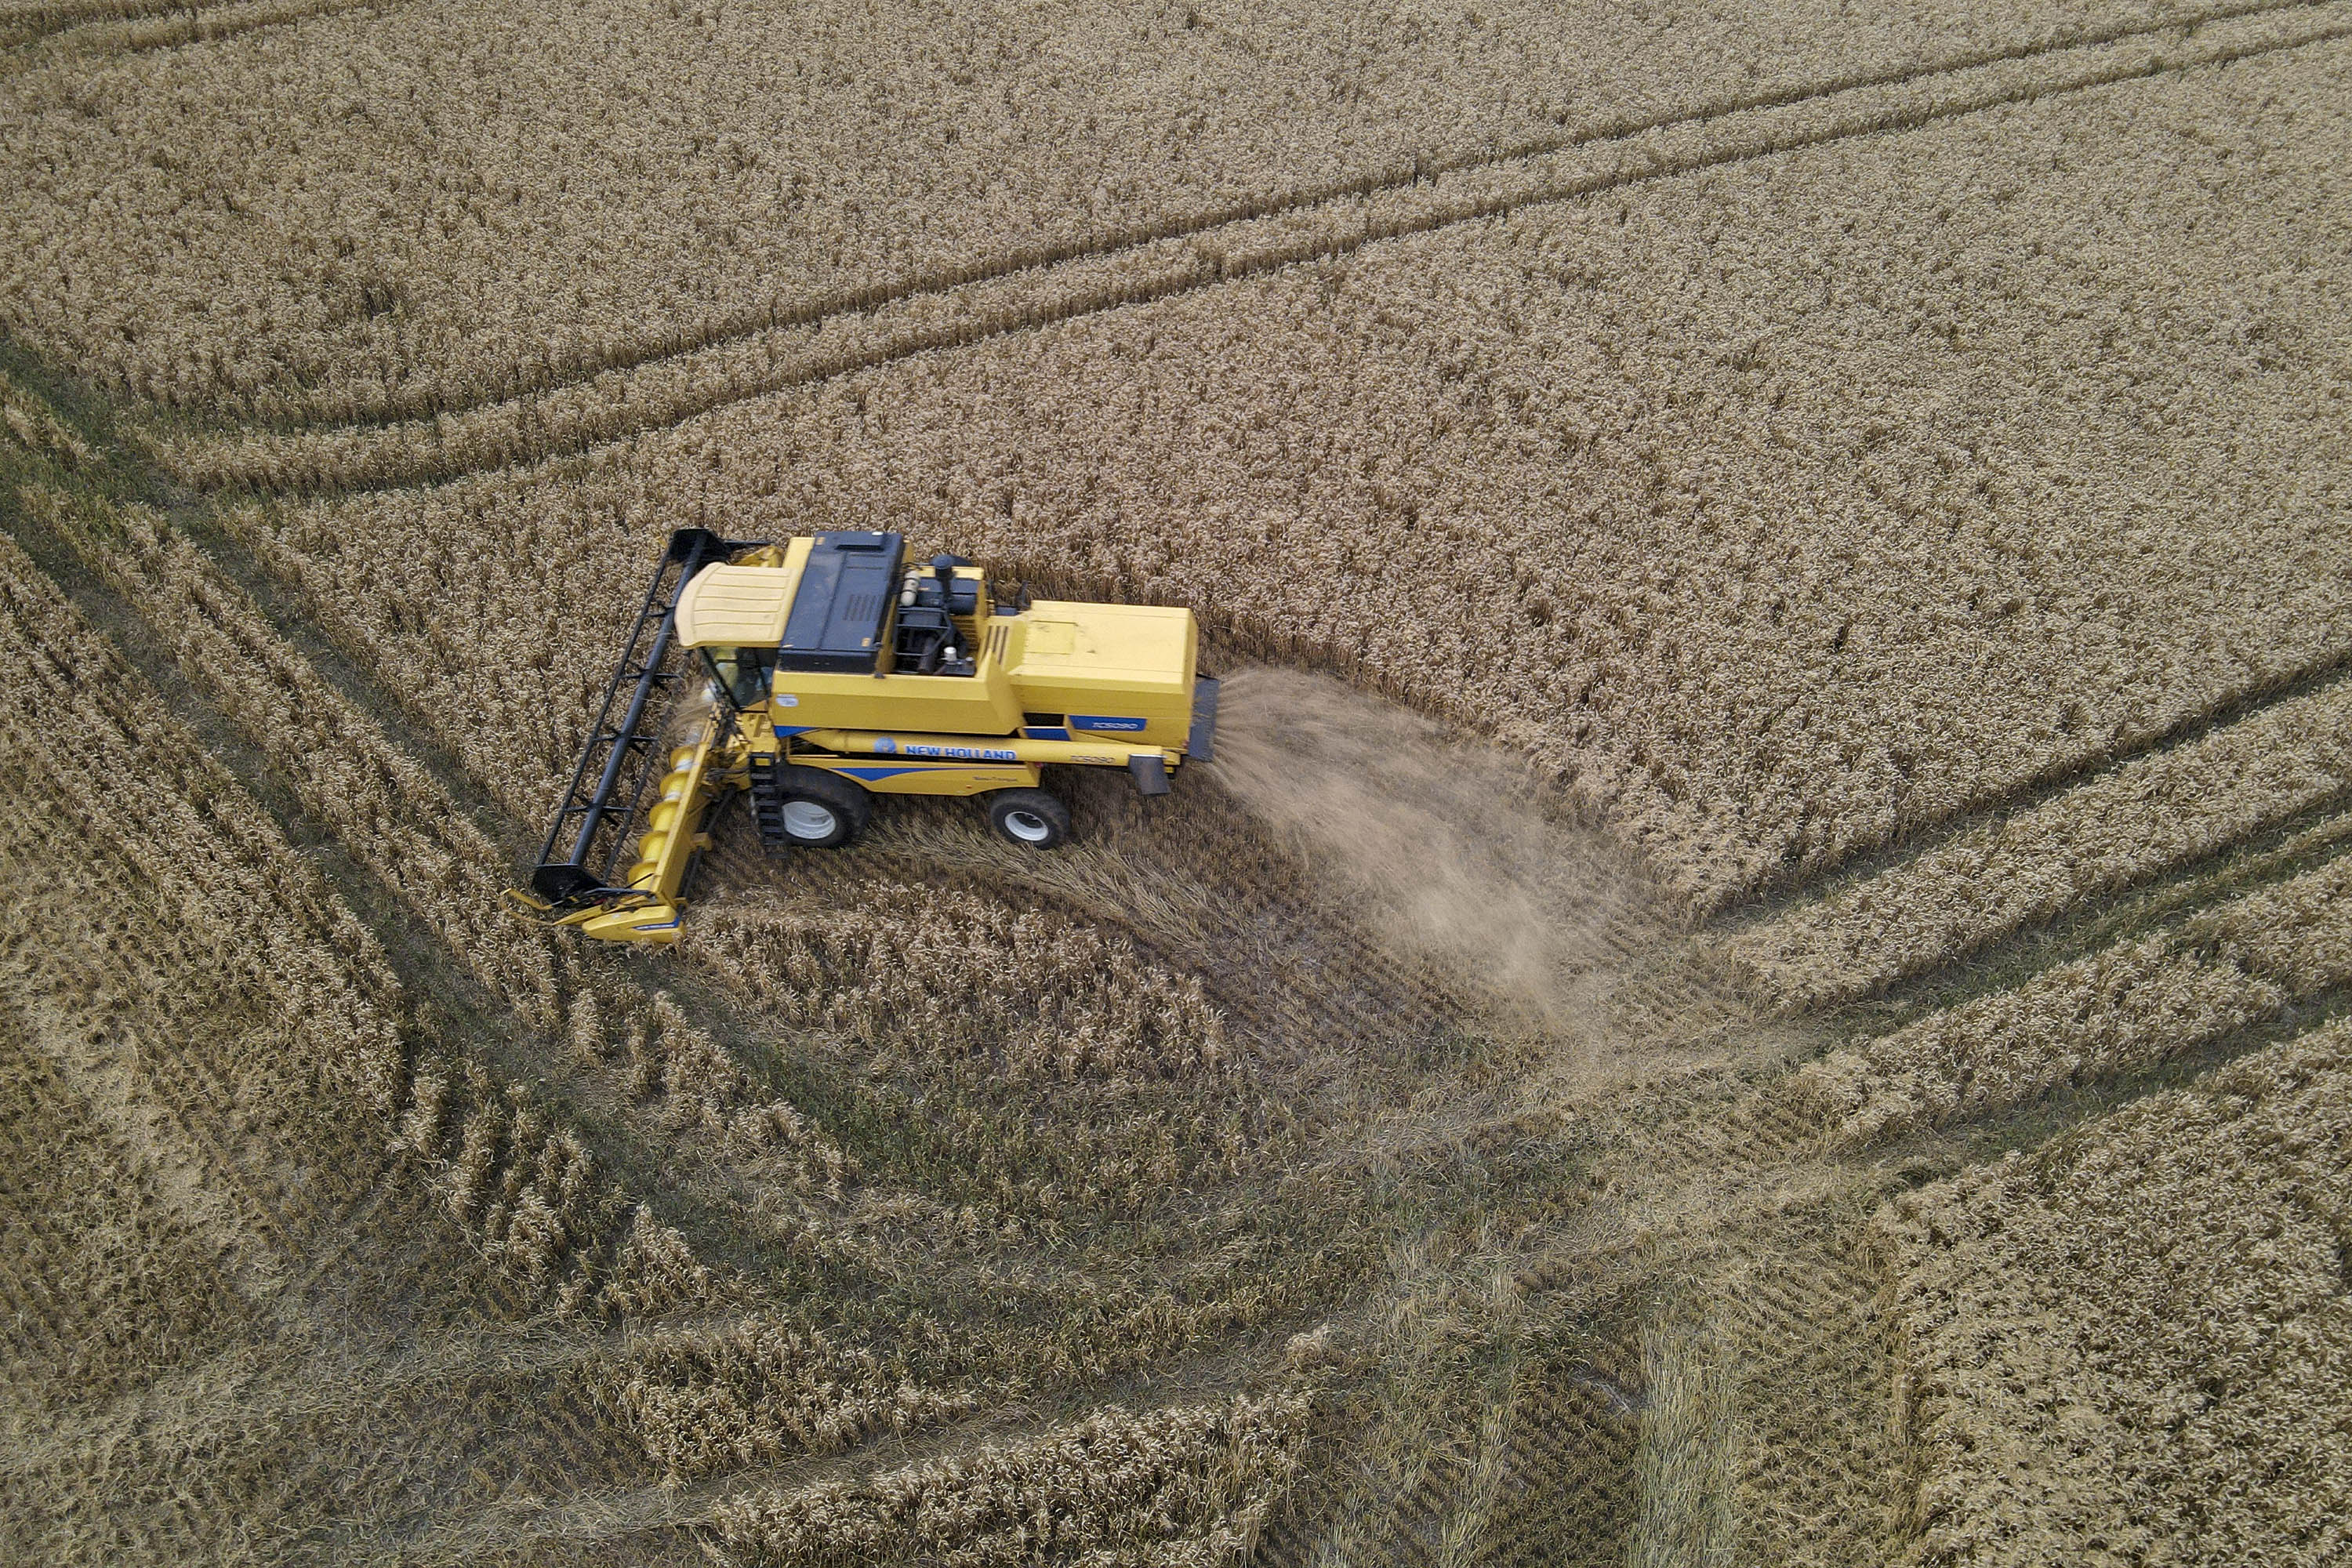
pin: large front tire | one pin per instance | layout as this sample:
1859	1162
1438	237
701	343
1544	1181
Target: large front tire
1029	817
819	810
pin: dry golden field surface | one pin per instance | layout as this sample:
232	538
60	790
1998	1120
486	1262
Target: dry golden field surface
1761	974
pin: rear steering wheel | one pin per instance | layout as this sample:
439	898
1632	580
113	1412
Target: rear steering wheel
1029	817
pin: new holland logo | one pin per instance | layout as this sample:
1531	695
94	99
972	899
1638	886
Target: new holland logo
887	747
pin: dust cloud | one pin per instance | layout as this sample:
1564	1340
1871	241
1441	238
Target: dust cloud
1440	845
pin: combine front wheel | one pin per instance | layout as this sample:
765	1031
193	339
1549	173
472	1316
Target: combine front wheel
1029	817
809	808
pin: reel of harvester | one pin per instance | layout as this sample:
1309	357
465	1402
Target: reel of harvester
580	878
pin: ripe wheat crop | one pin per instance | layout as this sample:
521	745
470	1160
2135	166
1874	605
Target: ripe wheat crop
1191	1484
762	1393
1767	570
1893	462
21	22
2137	820
2130	1006
765	168
32	425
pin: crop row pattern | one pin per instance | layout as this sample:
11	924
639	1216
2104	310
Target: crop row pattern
2130	1344
1780	509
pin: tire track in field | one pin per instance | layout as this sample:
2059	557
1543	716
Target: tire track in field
704	375
32	23
1775	896
166	25
1824	1336
864	300
428	965
1723	1202
2194	812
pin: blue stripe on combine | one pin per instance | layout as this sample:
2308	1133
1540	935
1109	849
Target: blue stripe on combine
881	773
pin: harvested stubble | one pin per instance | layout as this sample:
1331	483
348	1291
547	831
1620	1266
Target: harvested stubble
1810	1367
956	1113
1688	1459
1780	508
395	818
957	977
1571	1476
103	1285
258	227
79	715
2116	831
2129	1007
522	1188
1186	1485
2130	1345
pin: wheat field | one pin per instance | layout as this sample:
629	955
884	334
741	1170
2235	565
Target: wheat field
1761	974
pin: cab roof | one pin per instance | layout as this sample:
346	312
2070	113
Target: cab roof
736	606
824	608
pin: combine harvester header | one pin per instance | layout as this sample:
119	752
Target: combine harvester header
838	671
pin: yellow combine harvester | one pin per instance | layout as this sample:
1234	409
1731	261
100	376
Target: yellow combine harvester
837	671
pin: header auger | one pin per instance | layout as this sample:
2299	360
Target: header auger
837	671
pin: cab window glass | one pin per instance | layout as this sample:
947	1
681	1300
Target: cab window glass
742	673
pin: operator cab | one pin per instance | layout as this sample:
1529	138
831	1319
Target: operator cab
744	674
